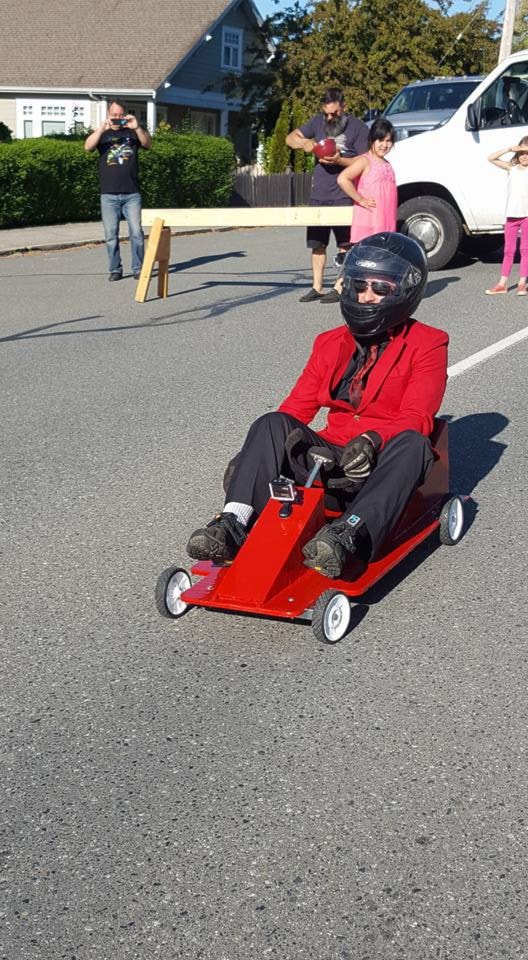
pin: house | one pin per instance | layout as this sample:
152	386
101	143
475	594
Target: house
62	60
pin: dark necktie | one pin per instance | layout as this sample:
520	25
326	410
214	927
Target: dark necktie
357	382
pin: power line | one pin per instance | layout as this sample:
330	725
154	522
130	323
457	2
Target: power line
477	13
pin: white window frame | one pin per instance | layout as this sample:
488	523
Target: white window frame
239	48
70	111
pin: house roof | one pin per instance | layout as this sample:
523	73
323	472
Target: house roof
100	44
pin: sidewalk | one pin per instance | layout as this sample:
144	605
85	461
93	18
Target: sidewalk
61	236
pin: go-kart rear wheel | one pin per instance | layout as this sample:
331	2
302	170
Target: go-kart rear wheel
169	588
331	616
451	521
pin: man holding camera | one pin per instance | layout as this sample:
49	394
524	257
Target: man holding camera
118	141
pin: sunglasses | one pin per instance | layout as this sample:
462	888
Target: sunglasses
382	288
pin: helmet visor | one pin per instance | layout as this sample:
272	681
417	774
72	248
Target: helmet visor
382	288
388	274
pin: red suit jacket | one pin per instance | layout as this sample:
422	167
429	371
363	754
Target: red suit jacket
404	389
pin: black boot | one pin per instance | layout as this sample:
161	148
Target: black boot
333	545
219	540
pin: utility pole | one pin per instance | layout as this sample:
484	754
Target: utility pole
507	29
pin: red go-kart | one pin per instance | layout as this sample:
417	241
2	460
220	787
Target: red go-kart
268	577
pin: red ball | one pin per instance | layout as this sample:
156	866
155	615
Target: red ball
325	148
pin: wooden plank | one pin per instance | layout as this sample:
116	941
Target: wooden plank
163	257
216	218
151	255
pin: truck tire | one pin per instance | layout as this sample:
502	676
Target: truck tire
436	224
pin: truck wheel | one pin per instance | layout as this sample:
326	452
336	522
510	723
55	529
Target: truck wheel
437	226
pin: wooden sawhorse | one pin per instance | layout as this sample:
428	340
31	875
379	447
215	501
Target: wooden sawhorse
160	221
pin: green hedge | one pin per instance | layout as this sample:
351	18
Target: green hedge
48	180
187	170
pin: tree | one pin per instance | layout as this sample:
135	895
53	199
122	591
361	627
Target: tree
369	48
264	83
278	152
6	135
520	29
467	42
301	161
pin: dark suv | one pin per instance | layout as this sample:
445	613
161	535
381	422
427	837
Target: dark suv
426	104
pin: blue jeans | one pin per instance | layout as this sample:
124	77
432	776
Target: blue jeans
112	206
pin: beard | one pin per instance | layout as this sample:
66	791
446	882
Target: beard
335	126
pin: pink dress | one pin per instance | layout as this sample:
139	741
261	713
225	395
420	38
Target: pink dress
377	182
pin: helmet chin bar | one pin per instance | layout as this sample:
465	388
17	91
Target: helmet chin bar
368	321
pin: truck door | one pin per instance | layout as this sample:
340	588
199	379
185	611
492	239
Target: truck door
500	118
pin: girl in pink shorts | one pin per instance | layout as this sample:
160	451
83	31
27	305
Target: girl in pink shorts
516	215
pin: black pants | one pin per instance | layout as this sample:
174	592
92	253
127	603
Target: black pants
402	466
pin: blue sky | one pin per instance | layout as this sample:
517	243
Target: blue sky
496	7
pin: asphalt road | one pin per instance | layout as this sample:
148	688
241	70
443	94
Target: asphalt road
223	787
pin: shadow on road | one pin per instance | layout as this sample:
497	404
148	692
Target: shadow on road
437	285
167	319
38	331
473	453
200	261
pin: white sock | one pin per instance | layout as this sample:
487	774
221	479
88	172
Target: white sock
242	511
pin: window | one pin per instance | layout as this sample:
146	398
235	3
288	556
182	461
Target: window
39	117
53	118
53	110
53	126
432	96
505	102
232	49
27	120
204	121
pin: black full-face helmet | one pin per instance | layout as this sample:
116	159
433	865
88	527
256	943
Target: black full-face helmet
399	264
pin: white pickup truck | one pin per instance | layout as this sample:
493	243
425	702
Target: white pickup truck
446	186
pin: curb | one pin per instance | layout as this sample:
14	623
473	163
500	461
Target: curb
35	247
70	244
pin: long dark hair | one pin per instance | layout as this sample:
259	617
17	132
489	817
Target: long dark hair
380	129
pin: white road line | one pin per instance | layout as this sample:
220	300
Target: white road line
485	354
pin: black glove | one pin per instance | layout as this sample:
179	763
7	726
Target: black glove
358	459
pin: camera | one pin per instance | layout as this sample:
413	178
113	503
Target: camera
119	121
282	489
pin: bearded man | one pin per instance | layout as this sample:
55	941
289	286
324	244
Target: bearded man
351	137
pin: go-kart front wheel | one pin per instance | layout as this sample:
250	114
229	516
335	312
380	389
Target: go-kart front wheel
451	521
331	616
169	588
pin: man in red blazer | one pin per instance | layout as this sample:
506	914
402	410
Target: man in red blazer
382	377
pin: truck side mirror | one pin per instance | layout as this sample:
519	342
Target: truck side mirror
474	114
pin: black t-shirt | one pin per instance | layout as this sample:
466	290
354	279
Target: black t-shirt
118	161
351	142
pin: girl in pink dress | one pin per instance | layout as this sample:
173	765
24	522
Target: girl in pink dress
369	180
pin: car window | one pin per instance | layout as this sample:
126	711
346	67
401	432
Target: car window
433	96
505	102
